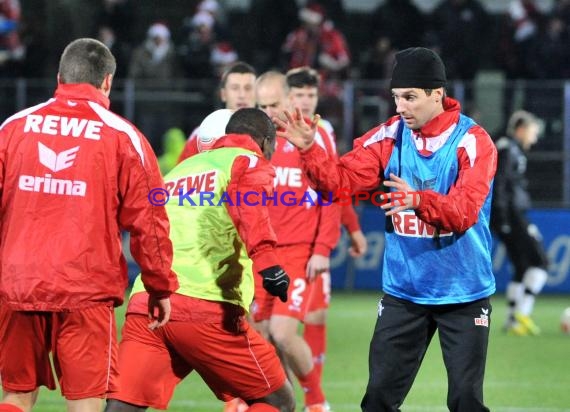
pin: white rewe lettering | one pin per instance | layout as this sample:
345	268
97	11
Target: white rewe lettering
63	126
288	176
408	224
73	126
48	184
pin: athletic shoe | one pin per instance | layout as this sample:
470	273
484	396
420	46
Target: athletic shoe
517	329
528	324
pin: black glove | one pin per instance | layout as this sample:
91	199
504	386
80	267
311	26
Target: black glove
276	281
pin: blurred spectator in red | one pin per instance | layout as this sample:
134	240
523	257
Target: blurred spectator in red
11	48
334	10
316	43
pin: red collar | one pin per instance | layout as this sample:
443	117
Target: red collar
243	141
82	91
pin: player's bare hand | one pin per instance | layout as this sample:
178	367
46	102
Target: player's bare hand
316	265
158	312
296	130
359	244
404	197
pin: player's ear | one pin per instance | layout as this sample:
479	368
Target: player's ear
106	84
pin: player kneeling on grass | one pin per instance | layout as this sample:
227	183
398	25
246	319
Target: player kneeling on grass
208	331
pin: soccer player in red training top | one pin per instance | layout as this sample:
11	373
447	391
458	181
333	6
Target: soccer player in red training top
86	176
437	273
306	233
237	91
303	84
208	331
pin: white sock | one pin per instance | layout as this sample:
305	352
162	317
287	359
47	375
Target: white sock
534	279
514	295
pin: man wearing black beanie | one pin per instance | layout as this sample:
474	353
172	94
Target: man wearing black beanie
438	167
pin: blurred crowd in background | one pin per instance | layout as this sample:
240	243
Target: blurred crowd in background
174	51
196	39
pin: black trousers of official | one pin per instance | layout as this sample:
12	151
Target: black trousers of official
524	246
401	337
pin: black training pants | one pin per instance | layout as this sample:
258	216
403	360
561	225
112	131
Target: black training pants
401	337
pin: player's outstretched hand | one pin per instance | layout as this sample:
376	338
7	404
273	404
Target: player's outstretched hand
162	308
276	281
407	199
296	130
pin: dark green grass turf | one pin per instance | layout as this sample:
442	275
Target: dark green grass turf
526	374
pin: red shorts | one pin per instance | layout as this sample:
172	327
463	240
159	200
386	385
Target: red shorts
294	260
232	358
321	295
83	344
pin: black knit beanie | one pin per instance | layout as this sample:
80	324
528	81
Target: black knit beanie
418	67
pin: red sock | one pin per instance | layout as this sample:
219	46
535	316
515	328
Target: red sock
262	407
311	385
316	337
8	407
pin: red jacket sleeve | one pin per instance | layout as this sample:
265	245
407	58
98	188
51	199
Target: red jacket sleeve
253	174
359	169
148	225
349	218
458	210
363	169
328	227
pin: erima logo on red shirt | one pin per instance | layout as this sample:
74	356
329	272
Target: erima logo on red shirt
57	161
49	184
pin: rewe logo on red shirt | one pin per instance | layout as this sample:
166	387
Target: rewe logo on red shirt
288	176
63	126
203	182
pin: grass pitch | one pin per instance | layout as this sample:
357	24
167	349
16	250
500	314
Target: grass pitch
524	374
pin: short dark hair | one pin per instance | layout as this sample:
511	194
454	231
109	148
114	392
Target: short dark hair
86	61
302	76
253	122
237	67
